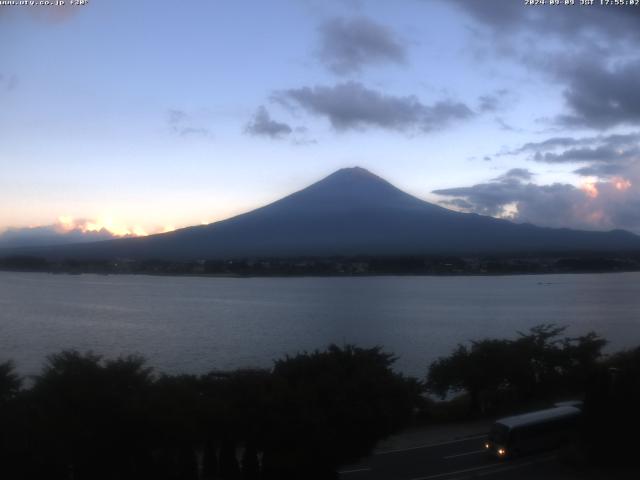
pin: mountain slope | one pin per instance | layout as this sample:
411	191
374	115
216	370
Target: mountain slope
350	212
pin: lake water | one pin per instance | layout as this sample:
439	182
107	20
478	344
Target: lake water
189	324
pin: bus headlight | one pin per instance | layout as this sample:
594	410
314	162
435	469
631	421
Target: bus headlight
487	445
502	452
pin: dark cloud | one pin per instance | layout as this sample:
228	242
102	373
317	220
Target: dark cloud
181	123
491	198
601	170
353	106
604	155
604	205
509	16
349	45
262	124
545	205
601	97
589	52
551	144
601	154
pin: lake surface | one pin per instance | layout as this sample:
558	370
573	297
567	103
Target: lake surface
196	324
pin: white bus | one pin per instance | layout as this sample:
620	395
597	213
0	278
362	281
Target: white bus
529	432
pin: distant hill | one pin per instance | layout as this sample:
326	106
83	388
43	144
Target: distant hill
350	212
48	235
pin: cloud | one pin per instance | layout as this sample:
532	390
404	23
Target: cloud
183	124
590	53
599	96
349	45
492	102
551	144
603	155
488	103
600	154
351	105
48	235
176	116
263	125
600	205
504	126
507	16
72	230
601	170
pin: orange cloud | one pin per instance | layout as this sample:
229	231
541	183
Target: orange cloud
621	184
590	189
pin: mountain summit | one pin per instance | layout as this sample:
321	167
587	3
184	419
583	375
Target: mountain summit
350	212
349	189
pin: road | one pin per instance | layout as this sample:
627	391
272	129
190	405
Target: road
452	460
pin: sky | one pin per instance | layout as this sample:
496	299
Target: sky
131	118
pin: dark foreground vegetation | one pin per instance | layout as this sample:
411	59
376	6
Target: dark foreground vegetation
88	418
84	417
501	377
331	266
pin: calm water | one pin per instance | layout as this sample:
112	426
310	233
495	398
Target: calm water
186	324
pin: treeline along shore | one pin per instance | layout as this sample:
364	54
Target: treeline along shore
580	262
85	417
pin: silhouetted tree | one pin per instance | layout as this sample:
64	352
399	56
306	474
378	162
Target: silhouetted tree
483	367
10	382
534	365
331	407
175	406
612	415
250	464
90	418
12	439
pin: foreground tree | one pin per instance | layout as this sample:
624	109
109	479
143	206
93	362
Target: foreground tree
10	382
12	439
537	364
612	416
89	418
328	408
483	367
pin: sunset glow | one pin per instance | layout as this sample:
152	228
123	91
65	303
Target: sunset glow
67	223
621	184
590	189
